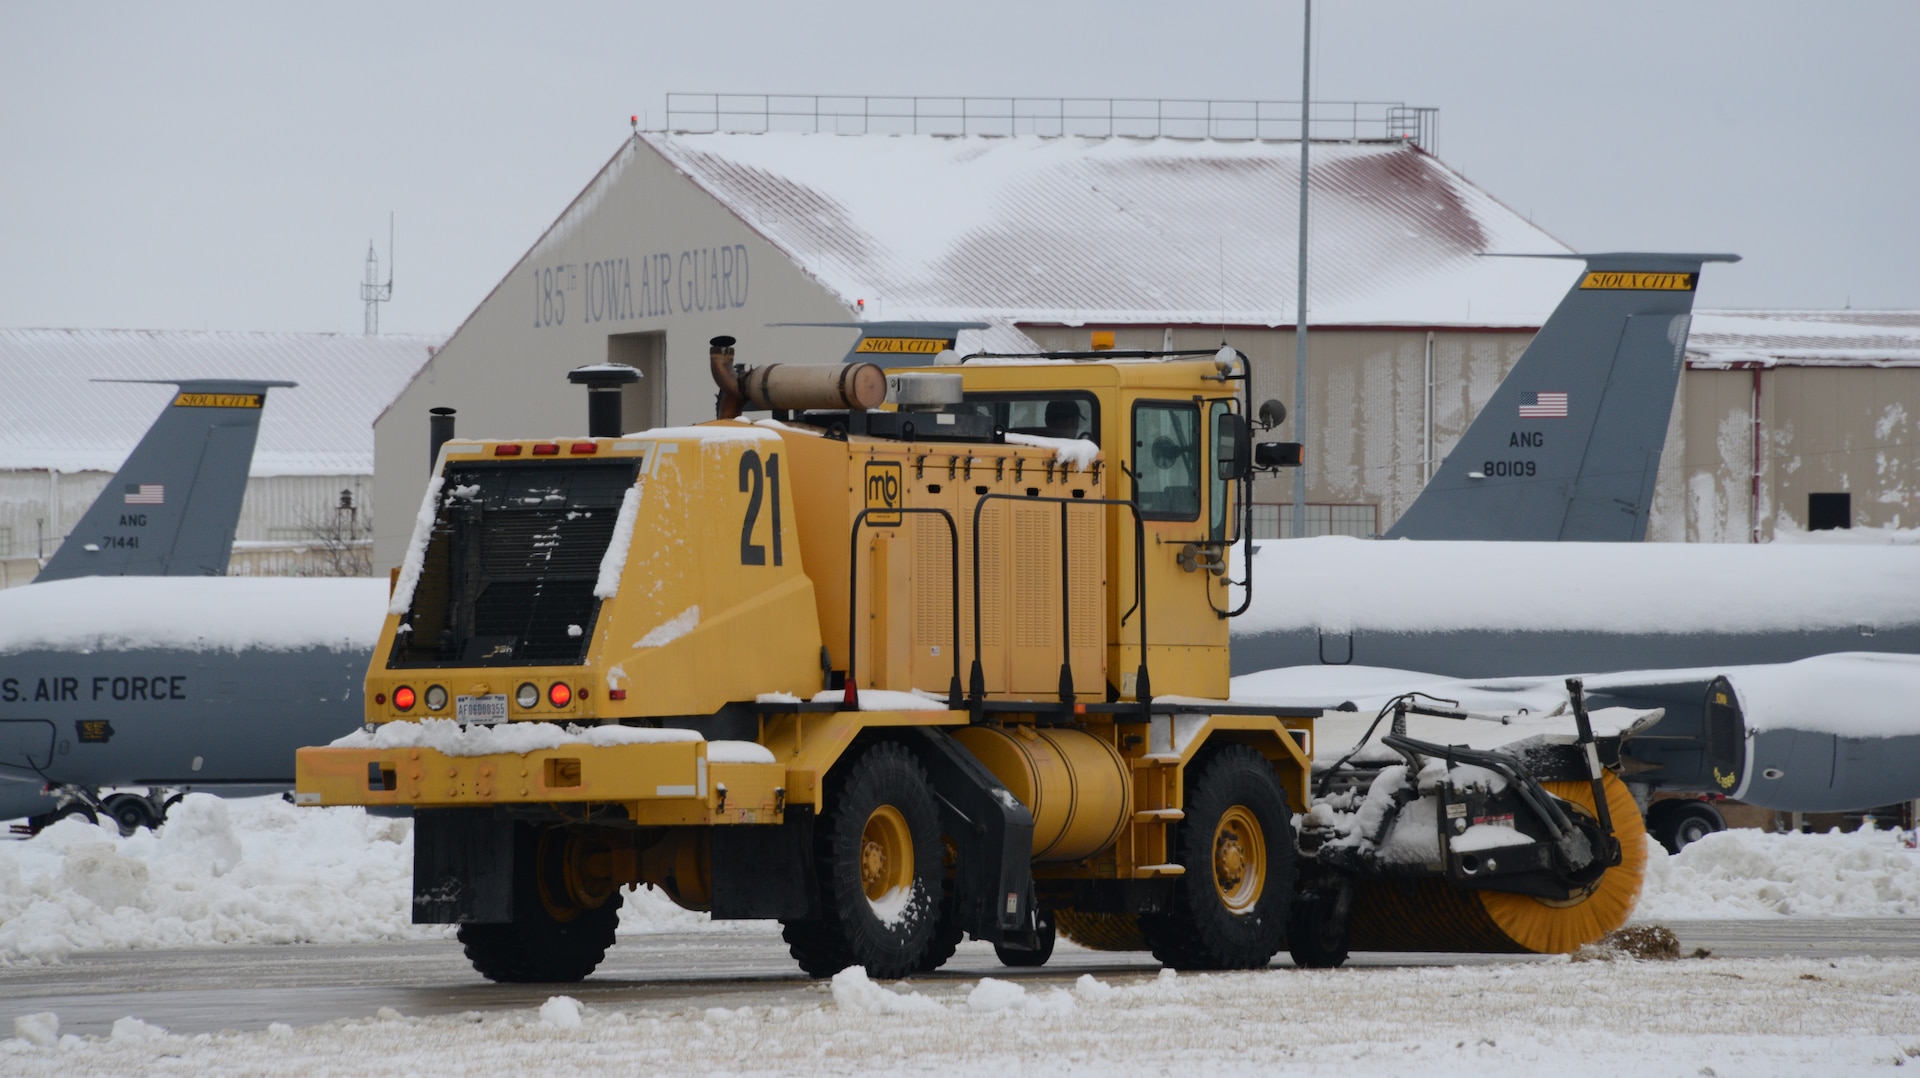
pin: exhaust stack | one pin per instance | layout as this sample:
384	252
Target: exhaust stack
857	387
604	382
439	433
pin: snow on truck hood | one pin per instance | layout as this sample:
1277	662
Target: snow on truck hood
193	613
1336	584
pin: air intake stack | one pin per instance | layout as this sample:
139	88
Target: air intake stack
439	433
604	382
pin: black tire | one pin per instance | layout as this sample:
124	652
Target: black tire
1226	912
1687	823
129	812
1319	929
878	811
946	940
542	944
1024	959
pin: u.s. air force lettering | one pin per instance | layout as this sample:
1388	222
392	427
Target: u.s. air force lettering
124	688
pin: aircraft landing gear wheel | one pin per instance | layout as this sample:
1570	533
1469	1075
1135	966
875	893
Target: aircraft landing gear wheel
877	855
1229	909
1686	823
1024	959
130	812
550	939
1318	927
37	824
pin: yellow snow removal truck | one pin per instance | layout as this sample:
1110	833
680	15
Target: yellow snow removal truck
931	653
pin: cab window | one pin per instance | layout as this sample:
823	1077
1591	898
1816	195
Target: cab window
1166	459
1063	414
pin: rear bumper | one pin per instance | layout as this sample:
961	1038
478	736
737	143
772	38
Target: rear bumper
658	784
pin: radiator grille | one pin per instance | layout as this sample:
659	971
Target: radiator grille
510	569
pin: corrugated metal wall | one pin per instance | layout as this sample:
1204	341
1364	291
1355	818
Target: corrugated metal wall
1823	429
38	508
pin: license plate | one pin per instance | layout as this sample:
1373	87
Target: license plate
483	710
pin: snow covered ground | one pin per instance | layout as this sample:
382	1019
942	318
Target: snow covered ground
261	871
252	870
1685	1017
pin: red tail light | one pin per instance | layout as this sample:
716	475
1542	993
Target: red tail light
403	698
506	450
546	449
585	448
559	695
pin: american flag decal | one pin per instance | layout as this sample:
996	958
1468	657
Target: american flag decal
1543	406
146	494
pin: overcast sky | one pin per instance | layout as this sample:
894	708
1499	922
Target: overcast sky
193	165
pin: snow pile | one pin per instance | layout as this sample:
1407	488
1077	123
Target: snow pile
1852	694
416	559
886	699
670	630
256	871
738	752
1747	873
561	1012
992	995
1788	530
1773	1016
1336	585
452	739
614	561
854	992
1857	694
1073	453
244	871
717	431
193	613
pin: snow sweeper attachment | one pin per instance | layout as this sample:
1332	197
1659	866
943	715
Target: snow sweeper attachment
928	654
1414	846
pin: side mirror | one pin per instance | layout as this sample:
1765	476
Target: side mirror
1277	455
1233	446
1272	414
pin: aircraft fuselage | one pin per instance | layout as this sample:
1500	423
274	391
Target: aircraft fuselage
165	717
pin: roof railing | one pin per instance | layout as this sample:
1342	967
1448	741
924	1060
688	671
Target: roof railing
1090	117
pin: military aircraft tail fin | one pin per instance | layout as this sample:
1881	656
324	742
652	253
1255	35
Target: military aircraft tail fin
172	508
1568	445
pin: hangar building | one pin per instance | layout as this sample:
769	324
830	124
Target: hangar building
1165	242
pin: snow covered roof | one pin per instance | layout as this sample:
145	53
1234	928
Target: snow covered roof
1805	339
53	416
1125	230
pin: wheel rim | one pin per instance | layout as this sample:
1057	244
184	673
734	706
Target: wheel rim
1692	831
886	853
1239	859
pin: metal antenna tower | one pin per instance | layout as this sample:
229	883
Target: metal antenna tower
372	292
